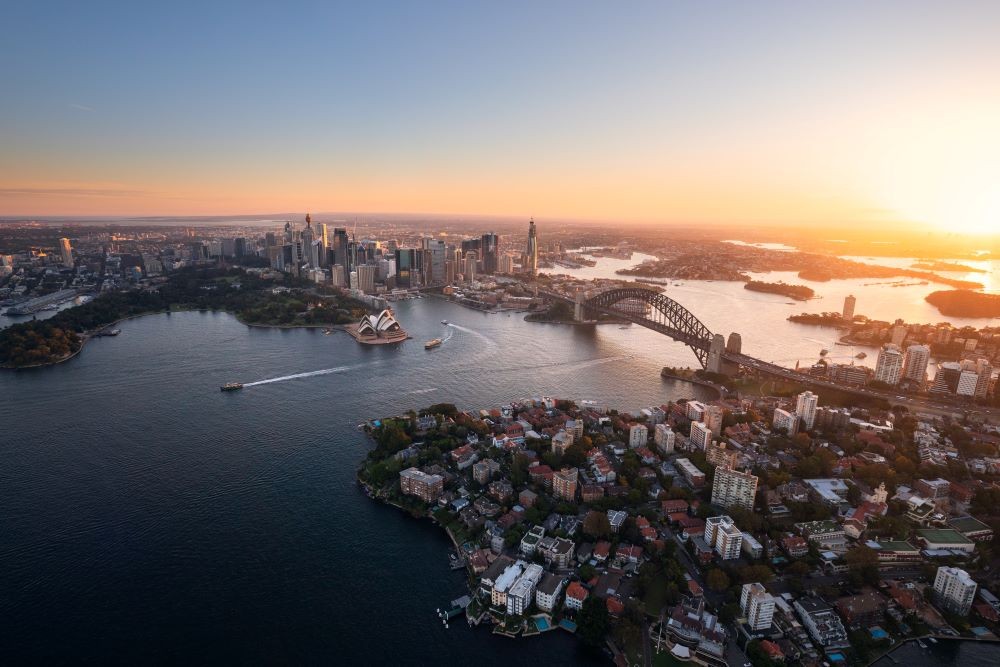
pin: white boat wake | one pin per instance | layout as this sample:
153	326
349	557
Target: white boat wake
283	378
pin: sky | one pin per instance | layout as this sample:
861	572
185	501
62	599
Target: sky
853	113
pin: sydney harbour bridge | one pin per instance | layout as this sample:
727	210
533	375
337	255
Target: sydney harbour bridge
654	310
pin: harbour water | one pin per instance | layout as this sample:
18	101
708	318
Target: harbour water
147	516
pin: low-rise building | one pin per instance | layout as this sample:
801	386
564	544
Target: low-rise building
690	472
576	594
821	622
415	482
522	593
547	593
944	538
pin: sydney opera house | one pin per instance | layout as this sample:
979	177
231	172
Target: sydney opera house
378	329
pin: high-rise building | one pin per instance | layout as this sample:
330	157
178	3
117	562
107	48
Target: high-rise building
786	420
713	419
947	377
805	408
889	367
700	435
490	249
985	371
968	380
955	589
849	303
915	364
434	259
506	264
664	438
757	606
638	436
307	242
732	488
564	484
337	276
366	278
719	455
722	535
471	258
531	252
67	252
898	333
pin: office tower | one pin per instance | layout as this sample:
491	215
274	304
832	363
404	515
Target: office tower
490	252
723	535
506	264
66	250
700	435
564	484
889	367
713	419
307	242
849	303
324	245
531	252
366	278
757	606
409	267
955	589
470	266
469	245
786	420
337	276
340	249
353	280
915	364
288	232
434	259
270	240
805	408
638	436
732	488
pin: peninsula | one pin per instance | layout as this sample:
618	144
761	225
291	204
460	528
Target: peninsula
257	297
797	292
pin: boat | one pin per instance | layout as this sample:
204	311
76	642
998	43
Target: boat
445	322
327	332
824	352
431	344
231	386
860	355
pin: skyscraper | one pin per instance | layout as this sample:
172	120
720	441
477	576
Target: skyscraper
366	278
67	252
434	259
490	250
531	252
889	367
849	303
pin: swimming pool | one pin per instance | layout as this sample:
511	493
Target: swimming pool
541	623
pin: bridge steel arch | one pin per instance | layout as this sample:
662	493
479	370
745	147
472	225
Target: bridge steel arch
665	316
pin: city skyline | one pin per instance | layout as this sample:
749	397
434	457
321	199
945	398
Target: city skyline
665	114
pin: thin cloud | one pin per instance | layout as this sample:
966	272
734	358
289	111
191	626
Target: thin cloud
71	192
81	107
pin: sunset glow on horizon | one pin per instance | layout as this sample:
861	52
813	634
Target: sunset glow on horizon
778	113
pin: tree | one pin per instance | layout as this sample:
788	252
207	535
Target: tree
592	622
863	561
596	524
717	580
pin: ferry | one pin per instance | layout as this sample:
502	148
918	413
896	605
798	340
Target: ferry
231	386
431	344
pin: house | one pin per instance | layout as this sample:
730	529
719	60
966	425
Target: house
527	498
576	594
795	546
531	539
616	518
556	551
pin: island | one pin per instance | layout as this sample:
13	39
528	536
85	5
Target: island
965	303
256	297
938	265
797	292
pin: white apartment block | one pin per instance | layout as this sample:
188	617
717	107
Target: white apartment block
757	606
732	488
638	436
723	535
955	589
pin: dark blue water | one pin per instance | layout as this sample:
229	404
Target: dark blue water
945	652
145	516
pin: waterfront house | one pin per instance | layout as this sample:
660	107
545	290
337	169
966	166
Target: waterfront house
576	594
